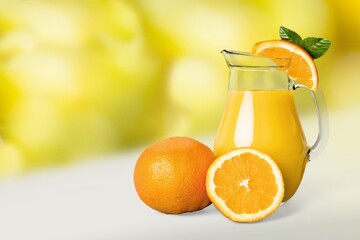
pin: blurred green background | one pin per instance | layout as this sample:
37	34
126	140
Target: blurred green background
82	78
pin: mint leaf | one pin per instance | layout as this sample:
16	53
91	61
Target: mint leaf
289	35
316	47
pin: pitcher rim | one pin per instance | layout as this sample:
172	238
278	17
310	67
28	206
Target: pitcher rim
272	64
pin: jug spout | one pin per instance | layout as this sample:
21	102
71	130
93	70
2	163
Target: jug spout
249	72
247	60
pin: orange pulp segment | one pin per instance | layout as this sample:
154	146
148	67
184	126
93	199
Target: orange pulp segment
245	185
302	67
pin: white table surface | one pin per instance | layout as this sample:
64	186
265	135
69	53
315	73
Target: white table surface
97	200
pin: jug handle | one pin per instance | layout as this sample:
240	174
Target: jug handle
322	117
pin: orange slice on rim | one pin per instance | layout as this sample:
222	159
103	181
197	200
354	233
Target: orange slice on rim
245	185
302	67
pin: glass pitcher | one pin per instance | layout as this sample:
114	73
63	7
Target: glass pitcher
260	113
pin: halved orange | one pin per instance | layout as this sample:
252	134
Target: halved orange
302	67
245	185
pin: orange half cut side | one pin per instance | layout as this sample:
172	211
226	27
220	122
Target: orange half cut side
245	185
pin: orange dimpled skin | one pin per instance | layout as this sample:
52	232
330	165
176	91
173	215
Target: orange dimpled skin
170	175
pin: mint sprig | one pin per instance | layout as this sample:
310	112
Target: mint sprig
316	47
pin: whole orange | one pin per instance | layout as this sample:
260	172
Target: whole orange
170	175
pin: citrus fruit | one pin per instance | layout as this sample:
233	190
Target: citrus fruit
170	175
302	67
245	185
